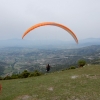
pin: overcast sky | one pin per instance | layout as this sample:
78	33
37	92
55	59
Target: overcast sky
81	16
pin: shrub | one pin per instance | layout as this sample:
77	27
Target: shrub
31	74
24	74
7	78
81	63
63	69
72	67
0	78
36	73
14	76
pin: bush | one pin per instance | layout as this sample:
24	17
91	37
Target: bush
0	78
63	70
81	63
31	74
14	76
24	74
7	78
36	73
72	67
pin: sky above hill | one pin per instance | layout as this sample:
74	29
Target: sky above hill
81	16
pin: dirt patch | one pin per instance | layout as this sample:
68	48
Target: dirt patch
92	76
50	88
24	97
74	77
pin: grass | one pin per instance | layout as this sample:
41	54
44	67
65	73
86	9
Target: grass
74	84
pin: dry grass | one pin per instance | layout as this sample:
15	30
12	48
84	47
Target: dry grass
74	84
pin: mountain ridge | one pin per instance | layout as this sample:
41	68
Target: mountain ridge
49	43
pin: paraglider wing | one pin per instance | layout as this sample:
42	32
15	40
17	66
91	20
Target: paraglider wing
54	24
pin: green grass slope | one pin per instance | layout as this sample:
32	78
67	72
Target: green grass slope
74	84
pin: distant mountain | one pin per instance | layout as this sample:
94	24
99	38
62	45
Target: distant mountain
91	40
49	43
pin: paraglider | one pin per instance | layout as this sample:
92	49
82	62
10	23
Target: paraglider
54	24
48	68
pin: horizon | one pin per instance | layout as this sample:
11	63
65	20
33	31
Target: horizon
15	42
47	39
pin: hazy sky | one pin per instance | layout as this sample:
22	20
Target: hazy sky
81	16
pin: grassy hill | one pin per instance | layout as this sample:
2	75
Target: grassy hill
74	84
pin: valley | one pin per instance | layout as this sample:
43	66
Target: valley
17	59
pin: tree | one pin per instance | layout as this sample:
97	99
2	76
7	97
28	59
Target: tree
25	74
81	63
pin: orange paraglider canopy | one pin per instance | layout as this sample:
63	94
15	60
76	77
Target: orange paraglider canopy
54	24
